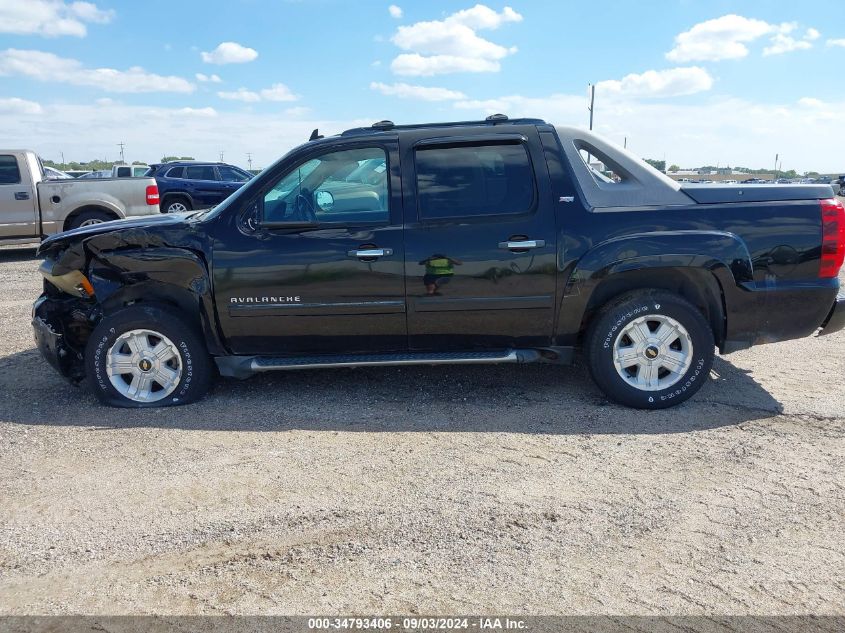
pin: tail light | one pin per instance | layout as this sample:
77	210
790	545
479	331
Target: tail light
833	238
152	194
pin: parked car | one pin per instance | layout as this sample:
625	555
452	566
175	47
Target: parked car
99	173
484	242
55	174
76	173
129	171
31	206
187	185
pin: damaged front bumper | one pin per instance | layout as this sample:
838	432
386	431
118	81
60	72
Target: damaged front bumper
51	321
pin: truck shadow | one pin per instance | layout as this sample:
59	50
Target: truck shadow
18	254
539	399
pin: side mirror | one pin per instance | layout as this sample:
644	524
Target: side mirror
324	200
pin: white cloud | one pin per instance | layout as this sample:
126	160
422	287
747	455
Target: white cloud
200	112
51	68
229	53
837	42
452	44
673	82
726	38
83	132
241	94
215	79
14	105
50	18
715	129
710	131
812	34
421	93
811	102
412	64
780	44
395	12
297	111
276	92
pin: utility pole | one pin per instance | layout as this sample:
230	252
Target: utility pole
776	166
221	155
63	157
249	160
121	146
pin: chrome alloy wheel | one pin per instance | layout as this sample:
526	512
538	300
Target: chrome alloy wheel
91	222
652	352
176	207
144	366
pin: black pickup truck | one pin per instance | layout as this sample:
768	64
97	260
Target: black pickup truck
496	241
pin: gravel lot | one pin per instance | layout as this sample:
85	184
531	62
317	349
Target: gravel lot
425	490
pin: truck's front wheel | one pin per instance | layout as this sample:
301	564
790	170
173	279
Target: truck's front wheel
650	349
147	356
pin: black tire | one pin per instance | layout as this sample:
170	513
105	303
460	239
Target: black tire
172	201
197	370
90	217
606	328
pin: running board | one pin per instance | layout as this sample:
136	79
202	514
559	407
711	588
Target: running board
245	366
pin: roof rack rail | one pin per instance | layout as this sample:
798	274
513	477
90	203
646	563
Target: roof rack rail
388	126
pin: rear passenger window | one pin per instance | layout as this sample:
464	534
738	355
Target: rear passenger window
204	172
176	172
10	174
474	180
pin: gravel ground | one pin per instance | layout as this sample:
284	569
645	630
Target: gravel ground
424	490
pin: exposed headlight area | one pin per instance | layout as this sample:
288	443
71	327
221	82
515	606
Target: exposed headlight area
74	283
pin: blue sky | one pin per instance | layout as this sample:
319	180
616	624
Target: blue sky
695	82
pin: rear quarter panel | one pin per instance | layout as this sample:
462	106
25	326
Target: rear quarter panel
764	255
125	197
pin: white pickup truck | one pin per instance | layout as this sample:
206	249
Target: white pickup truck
32	207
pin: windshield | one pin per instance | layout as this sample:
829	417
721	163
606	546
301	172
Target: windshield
239	193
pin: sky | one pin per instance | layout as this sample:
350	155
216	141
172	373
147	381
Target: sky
729	83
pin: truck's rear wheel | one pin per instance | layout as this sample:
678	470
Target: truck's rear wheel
87	218
650	349
147	356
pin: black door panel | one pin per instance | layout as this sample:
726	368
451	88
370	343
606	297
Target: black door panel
480	245
337	287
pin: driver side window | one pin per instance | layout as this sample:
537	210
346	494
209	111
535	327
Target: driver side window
347	186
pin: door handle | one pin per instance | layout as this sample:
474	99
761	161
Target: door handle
370	253
522	245
21	195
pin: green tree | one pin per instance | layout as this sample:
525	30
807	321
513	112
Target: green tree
659	165
170	159
674	167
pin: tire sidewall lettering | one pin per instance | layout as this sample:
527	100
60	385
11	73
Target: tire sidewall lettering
608	339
